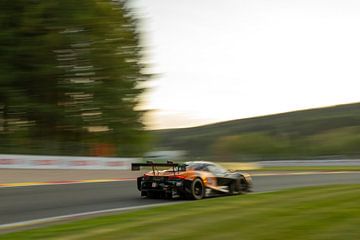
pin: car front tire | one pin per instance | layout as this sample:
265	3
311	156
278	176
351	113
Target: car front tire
197	189
235	187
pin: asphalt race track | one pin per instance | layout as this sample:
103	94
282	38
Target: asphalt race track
18	204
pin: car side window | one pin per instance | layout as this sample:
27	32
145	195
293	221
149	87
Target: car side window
200	167
211	168
215	169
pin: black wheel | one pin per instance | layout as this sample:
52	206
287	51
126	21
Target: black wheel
235	187
197	189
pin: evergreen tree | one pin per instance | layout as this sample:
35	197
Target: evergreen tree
70	73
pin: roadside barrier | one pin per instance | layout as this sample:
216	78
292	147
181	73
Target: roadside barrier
64	162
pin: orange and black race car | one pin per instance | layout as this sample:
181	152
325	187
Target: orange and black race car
190	180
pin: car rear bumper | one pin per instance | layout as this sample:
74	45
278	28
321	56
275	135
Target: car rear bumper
171	189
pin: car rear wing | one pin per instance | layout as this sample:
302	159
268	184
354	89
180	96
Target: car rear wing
137	166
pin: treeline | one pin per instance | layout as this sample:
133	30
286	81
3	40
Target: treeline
342	142
70	78
316	133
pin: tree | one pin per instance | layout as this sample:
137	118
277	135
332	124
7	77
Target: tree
70	75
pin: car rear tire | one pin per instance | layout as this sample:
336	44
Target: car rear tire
197	189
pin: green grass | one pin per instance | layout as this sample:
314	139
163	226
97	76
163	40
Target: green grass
310	168
327	212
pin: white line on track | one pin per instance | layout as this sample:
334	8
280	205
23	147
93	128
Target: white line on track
10	226
30	223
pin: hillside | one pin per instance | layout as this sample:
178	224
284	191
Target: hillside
297	132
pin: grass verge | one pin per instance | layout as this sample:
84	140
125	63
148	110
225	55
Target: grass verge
327	212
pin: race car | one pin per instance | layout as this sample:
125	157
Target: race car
190	180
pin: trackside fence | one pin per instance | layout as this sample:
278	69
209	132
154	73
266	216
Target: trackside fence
63	162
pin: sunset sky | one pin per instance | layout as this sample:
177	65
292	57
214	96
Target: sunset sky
219	60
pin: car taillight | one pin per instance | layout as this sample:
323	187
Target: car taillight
176	177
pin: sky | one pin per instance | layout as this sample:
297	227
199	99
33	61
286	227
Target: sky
218	60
